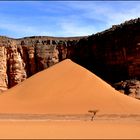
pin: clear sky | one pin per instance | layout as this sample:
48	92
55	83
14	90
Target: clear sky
63	18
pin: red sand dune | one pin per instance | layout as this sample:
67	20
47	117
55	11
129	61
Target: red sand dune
66	88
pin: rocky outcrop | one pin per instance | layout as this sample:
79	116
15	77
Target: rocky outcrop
3	67
16	71
129	87
21	58
113	55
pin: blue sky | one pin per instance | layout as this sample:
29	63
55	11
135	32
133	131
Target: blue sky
63	18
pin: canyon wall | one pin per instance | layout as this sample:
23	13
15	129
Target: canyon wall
113	54
21	58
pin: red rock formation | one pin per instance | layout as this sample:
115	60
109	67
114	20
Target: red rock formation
21	58
15	65
3	68
113	54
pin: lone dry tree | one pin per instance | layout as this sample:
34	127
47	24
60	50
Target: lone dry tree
93	112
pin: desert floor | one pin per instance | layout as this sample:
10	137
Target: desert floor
55	103
100	127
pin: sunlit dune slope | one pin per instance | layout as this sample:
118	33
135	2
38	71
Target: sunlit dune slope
66	88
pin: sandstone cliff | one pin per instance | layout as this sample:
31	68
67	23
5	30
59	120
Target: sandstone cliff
21	58
113	54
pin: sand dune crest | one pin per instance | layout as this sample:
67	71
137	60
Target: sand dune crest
66	88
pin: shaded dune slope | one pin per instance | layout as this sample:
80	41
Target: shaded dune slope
66	88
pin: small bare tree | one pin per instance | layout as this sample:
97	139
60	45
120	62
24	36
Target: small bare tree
93	112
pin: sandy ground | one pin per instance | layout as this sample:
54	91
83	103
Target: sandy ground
70	129
67	88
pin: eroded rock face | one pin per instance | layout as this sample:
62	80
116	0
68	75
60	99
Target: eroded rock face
21	58
113	54
15	65
3	68
129	87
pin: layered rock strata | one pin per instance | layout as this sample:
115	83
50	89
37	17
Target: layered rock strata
113	54
21	58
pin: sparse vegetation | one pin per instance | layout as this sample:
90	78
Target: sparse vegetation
93	113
